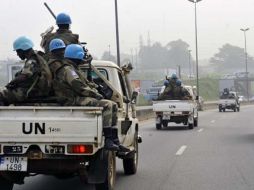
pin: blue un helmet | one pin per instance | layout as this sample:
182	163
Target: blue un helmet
174	76
56	44
166	83
74	51
178	82
63	18
23	43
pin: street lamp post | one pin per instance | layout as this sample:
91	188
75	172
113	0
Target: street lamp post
246	61
189	63
196	36
117	35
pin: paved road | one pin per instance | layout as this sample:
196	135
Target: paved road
218	155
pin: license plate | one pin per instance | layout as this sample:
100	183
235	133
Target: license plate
13	149
13	164
52	149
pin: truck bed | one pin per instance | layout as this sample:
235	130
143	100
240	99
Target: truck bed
50	124
173	106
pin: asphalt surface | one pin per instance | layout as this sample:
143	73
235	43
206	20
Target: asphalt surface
218	155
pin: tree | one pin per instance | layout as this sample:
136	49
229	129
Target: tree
178	53
161	57
231	58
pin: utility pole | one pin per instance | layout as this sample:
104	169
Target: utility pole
189	63
117	35
196	39
246	62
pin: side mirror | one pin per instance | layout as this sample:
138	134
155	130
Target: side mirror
197	98
134	97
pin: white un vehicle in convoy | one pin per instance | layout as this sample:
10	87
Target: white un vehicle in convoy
176	111
45	138
229	102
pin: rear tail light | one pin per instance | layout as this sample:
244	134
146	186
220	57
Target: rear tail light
80	149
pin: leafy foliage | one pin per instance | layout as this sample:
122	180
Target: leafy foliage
231	58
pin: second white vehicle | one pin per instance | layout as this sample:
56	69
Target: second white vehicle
176	111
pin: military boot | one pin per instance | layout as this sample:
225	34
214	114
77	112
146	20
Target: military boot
109	140
117	142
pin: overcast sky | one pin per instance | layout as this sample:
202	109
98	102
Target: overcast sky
219	22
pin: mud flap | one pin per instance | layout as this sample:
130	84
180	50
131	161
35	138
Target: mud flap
125	126
98	167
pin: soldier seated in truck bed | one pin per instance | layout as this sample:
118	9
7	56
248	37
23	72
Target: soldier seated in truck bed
174	92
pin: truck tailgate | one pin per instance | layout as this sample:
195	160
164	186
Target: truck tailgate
50	124
173	106
227	101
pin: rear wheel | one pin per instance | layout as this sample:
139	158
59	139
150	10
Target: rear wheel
158	123
190	125
109	182
224	110
238	109
196	122
5	184
235	109
130	165
164	123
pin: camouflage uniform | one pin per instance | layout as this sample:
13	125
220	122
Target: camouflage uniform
168	93
34	80
64	34
181	93
70	83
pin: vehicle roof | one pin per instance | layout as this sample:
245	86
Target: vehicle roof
101	63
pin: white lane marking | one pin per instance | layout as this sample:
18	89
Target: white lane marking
213	121
200	130
181	150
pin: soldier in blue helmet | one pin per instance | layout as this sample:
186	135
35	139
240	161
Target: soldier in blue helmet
71	84
180	92
34	80
63	21
170	84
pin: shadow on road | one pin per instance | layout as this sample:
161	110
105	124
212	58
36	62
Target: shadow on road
51	183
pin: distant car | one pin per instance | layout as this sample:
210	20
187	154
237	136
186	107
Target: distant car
200	100
200	103
242	99
154	92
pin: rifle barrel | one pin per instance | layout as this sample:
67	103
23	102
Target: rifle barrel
49	9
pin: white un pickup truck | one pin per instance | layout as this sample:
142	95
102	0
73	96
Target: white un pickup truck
229	102
68	141
176	111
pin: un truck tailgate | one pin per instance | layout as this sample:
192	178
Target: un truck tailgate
50	124
173	105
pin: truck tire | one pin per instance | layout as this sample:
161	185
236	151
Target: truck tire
235	109
238	109
158	125
109	182
196	122
5	184
219	110
165	124
130	165
191	126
